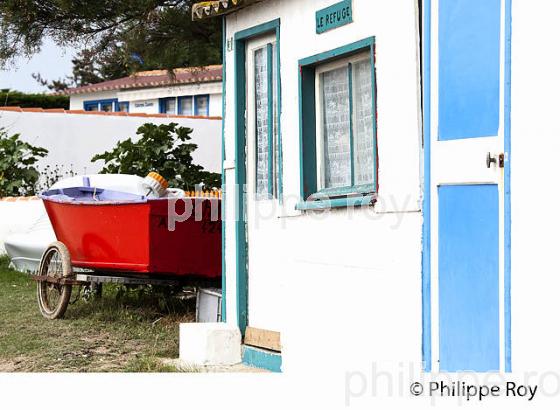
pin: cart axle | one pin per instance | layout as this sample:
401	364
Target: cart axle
58	281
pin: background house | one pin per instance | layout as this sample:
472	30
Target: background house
195	91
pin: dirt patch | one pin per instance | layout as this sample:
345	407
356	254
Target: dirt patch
8	366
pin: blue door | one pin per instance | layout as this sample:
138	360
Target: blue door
467	159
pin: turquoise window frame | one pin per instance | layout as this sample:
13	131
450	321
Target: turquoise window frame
310	196
240	103
197	111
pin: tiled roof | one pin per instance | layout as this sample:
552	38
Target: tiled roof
156	78
117	114
206	9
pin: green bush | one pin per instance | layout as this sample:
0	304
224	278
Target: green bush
10	98
161	148
18	175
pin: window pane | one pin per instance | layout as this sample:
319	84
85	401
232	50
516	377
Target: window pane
261	114
336	128
170	106
363	123
92	107
123	106
202	103
107	107
186	106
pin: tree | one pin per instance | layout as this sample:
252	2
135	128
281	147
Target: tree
161	148
18	175
117	37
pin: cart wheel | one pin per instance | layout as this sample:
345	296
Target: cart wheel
53	298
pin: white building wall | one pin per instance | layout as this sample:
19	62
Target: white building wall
534	187
170	91
146	100
148	106
347	283
73	139
215	108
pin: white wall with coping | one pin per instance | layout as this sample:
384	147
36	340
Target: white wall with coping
534	186
73	139
344	286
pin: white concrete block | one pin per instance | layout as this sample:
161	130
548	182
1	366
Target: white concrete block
209	344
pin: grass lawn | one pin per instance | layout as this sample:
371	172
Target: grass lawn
119	332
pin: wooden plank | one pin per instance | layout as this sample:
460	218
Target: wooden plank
266	339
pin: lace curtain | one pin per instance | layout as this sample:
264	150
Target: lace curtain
261	114
336	128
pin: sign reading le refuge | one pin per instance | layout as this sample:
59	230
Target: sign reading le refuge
333	16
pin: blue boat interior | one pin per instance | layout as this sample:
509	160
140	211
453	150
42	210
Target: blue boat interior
90	194
87	193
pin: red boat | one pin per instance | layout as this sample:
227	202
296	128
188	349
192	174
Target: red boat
125	238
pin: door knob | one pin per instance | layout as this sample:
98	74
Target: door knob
489	160
492	159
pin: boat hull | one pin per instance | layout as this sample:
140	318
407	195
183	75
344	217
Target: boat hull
135	237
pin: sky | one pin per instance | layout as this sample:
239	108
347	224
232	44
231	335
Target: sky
52	63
